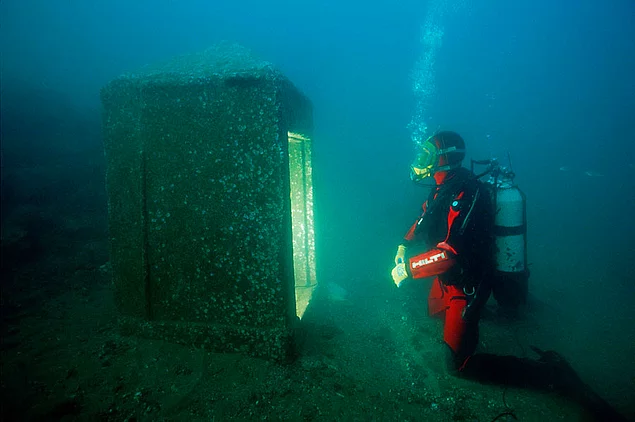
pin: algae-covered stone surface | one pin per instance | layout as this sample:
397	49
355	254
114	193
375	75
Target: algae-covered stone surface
199	199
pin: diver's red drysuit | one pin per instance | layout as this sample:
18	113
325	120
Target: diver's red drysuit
452	240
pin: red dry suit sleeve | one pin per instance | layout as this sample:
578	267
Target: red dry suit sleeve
443	257
433	262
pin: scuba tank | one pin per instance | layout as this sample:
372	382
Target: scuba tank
511	276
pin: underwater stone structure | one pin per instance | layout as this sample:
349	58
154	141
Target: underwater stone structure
209	165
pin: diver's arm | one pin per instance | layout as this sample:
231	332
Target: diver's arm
443	257
433	262
427	264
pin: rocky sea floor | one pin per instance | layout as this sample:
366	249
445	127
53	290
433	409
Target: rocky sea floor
364	358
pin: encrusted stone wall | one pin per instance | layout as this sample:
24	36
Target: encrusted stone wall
199	200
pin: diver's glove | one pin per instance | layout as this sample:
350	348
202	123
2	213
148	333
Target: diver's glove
401	253
399	273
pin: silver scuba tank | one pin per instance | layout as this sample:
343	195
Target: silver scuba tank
511	275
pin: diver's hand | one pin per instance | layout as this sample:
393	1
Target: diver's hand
399	273
400	257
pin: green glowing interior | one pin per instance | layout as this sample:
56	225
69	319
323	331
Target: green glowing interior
302	220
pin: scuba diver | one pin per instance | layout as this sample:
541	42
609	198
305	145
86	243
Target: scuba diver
453	240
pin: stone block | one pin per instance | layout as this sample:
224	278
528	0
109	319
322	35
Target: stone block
210	201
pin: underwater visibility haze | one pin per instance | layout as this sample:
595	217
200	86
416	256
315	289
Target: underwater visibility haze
545	87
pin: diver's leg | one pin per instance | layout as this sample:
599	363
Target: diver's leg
459	333
437	299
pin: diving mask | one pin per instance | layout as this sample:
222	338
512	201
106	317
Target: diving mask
424	164
429	160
